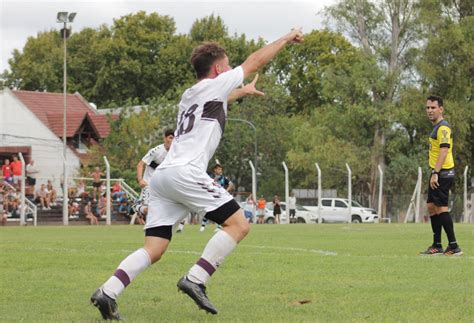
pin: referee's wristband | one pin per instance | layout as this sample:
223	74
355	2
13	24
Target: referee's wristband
434	172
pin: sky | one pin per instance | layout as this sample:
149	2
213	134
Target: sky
20	19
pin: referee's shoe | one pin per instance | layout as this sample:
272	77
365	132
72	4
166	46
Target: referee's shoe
450	251
432	251
198	293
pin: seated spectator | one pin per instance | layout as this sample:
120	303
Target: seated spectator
51	193
11	203
89	214
42	196
81	190
117	192
102	206
73	209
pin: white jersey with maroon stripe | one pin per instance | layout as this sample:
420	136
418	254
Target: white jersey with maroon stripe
201	120
153	158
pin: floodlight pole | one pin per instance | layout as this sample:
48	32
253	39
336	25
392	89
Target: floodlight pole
319	194
254	187
107	208
64	18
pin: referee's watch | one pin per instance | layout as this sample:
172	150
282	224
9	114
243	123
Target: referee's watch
434	172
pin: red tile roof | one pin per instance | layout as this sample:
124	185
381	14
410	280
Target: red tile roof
49	108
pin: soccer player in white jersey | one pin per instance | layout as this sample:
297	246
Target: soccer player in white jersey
180	184
146	167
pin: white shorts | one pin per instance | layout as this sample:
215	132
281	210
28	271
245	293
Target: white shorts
176	191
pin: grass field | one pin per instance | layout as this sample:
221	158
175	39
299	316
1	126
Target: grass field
339	273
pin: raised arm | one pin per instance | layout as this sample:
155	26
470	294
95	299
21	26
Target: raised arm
262	56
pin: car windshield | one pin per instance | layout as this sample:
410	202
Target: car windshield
354	203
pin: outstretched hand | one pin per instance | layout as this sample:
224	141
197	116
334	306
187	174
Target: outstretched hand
295	35
250	89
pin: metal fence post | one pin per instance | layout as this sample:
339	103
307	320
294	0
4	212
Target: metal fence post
349	192
287	193
107	165
319	194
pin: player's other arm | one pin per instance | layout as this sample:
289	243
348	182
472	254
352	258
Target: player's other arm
140	167
245	90
262	56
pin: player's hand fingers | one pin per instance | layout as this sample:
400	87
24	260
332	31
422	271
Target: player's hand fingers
255	79
258	93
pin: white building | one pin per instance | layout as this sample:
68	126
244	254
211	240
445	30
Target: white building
32	123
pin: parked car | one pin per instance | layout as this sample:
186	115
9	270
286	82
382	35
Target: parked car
302	215
336	210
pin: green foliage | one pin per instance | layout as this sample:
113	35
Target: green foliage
333	99
39	65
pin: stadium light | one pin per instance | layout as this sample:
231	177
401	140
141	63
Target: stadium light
64	17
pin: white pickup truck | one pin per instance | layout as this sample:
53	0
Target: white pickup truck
336	210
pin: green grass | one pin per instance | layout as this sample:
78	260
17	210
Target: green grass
343	272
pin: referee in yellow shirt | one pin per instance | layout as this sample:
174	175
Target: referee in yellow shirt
442	176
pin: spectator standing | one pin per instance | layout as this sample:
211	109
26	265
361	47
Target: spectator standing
276	209
292	206
7	171
31	172
96	183
16	168
249	208
261	210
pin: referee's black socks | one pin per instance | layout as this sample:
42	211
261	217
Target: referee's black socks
448	226
436	226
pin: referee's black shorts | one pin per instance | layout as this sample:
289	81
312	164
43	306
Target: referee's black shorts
440	195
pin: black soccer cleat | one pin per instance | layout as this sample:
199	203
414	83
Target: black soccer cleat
432	251
453	251
106	305
198	293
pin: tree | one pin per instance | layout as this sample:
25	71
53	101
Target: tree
39	66
388	32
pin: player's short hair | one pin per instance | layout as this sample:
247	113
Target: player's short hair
217	166
168	132
204	56
435	98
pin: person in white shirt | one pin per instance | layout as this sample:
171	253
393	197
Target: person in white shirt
292	206
146	167
180	184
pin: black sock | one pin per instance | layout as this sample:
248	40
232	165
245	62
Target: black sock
436	226
448	226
